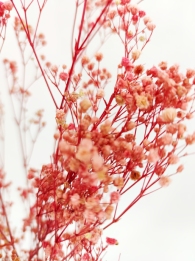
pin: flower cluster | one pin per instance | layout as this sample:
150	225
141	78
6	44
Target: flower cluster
105	142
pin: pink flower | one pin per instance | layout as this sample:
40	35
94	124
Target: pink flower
56	135
123	2
71	126
45	244
147	20
125	61
130	76
65	148
134	9
164	181
153	156
122	84
121	10
166	139
136	54
60	114
151	26
89	216
85	257
178	77
128	98
146	81
1	10
135	18
7	5
137	152
153	71
114	197
190	73
173	159
54	68
47	252
111	241
112	14
172	128
169	114
190	139
100	94
85	104
85	60
180	168
75	199
93	179
97	161
30	175
142	13
101	215
63	76
142	102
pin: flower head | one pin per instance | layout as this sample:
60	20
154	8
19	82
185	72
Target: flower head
111	241
169	114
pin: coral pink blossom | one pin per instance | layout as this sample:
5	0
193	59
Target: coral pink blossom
121	10
30	175
153	71
190	73
134	9
179	77
101	215
47	252
7	5
112	14
114	197
75	199
71	126
84	150
180	168
153	156
56	135
63	76
125	61
164	181
123	2
172	128
65	148
1	10
97	162
122	84
85	257
142	102
129	76
54	68
85	105
190	139
135	18
166	139
147	20
93	179
173	159
136	54
142	13
151	26
89	216
100	94
60	115
111	241
169	114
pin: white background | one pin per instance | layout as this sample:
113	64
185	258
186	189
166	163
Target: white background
160	226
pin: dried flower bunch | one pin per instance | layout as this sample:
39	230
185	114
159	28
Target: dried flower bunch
106	142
